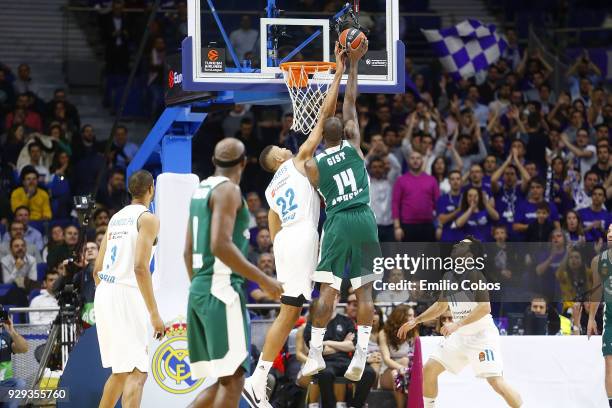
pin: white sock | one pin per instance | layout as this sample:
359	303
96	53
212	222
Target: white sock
340	404
260	375
313	405
429	402
363	336
316	337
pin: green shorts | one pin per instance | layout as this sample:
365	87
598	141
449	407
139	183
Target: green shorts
606	335
217	331
349	237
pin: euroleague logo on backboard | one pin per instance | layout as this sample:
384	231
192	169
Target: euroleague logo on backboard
174	78
213	55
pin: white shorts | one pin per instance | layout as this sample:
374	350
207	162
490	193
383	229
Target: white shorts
296	250
480	350
122	322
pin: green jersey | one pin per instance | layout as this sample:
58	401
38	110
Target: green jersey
604	268
343	179
205	265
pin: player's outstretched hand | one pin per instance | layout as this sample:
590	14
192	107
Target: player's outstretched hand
159	329
340	53
272	287
591	328
405	328
358	53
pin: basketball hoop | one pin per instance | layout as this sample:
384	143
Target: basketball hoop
308	83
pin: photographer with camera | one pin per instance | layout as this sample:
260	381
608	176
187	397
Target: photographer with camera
10	342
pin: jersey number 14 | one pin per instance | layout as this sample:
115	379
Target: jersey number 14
345	179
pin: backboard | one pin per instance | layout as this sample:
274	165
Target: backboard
238	45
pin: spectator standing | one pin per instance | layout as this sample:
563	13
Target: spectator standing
35	154
113	196
477	214
114	33
573	227
603	165
122	152
244	38
24	83
46	298
527	209
413	204
583	155
381	191
582	193
447	209
32	197
540	230
596	218
88	162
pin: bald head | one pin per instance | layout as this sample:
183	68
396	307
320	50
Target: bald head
332	131
229	152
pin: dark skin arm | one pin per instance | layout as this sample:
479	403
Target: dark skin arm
312	172
349	110
225	202
188	253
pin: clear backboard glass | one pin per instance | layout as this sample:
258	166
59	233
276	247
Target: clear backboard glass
238	45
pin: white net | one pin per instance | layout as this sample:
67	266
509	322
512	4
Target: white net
308	85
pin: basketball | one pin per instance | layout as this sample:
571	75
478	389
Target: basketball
351	38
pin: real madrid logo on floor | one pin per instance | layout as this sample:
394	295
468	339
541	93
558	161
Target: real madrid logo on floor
170	366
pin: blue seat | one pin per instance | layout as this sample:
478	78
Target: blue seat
33	294
4	288
41	270
41	226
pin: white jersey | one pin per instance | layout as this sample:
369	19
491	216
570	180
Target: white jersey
119	258
292	197
461	306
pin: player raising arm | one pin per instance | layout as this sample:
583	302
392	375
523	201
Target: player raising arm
293	219
472	338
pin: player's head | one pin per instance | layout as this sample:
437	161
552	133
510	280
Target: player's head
229	156
332	131
140	185
469	247
272	157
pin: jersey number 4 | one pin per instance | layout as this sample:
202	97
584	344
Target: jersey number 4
345	179
287	205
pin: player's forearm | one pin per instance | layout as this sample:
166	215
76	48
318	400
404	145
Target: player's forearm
231	256
432	312
593	306
329	104
20	345
480	311
145	284
350	95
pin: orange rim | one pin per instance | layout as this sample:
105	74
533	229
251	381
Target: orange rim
297	72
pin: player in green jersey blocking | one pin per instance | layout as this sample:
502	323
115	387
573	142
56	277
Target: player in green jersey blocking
601	266
215	255
340	175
